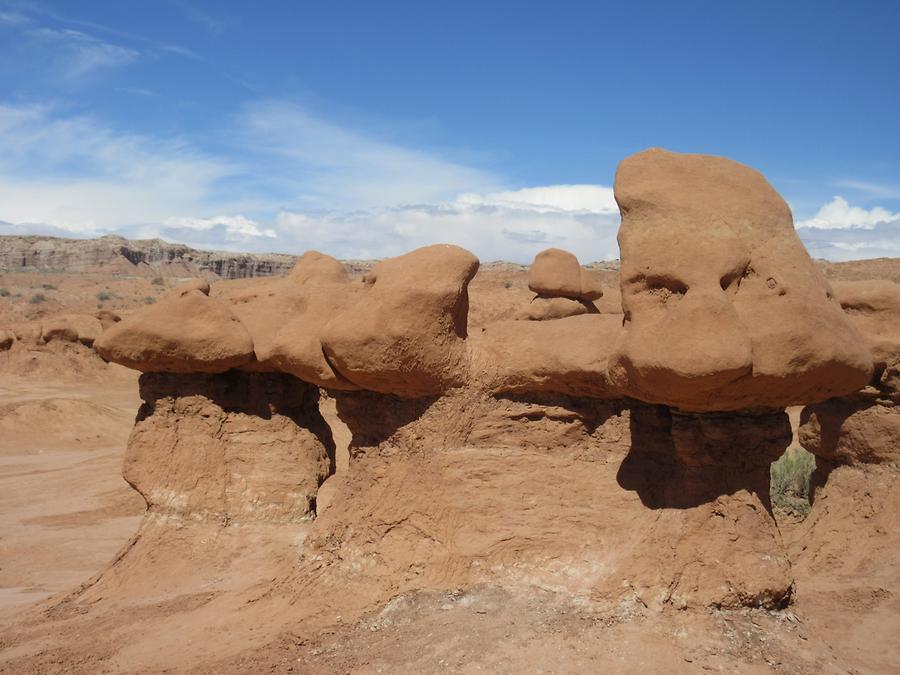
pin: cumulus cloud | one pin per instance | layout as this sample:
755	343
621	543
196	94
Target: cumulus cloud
840	231
838	214
495	229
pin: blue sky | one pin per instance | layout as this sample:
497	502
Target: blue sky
366	129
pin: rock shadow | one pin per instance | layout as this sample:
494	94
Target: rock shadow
683	460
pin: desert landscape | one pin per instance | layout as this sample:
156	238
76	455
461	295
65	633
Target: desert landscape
685	460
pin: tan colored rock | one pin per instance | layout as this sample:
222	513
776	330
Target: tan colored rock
405	333
181	290
591	289
874	308
556	273
323	289
566	356
189	333
107	318
542	308
247	447
724	309
81	328
852	430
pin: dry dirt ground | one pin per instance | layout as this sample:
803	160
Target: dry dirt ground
65	512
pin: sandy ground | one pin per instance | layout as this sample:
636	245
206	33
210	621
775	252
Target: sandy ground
64	507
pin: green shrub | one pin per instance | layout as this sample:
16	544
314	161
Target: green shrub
37	298
149	300
4	293
790	474
48	287
103	296
158	281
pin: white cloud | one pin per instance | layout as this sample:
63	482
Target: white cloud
838	214
321	164
575	198
236	225
492	231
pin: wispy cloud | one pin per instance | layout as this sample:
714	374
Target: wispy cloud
868	189
79	54
215	24
324	164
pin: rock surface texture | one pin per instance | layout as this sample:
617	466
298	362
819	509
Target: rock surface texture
724	310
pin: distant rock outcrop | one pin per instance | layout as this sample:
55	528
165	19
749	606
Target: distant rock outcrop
144	257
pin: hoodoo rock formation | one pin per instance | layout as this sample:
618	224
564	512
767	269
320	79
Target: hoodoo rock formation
567	451
724	309
563	287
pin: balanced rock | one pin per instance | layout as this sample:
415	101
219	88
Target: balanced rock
556	273
181	290
405	333
723	307
542	308
81	328
188	333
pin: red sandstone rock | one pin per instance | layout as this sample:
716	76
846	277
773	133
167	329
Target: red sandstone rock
179	334
81	328
723	307
405	333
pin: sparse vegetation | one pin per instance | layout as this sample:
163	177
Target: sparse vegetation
37	298
4	292
789	486
149	300
507	284
103	296
157	281
48	287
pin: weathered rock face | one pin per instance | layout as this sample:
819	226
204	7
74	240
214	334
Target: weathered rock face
557	273
405	333
542	308
233	448
864	427
577	494
563	356
874	308
81	328
724	310
143	257
324	290
189	333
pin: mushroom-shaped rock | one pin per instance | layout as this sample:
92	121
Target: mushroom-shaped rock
542	308
324	289
723	307
405	333
190	333
81	328
556	273
567	356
